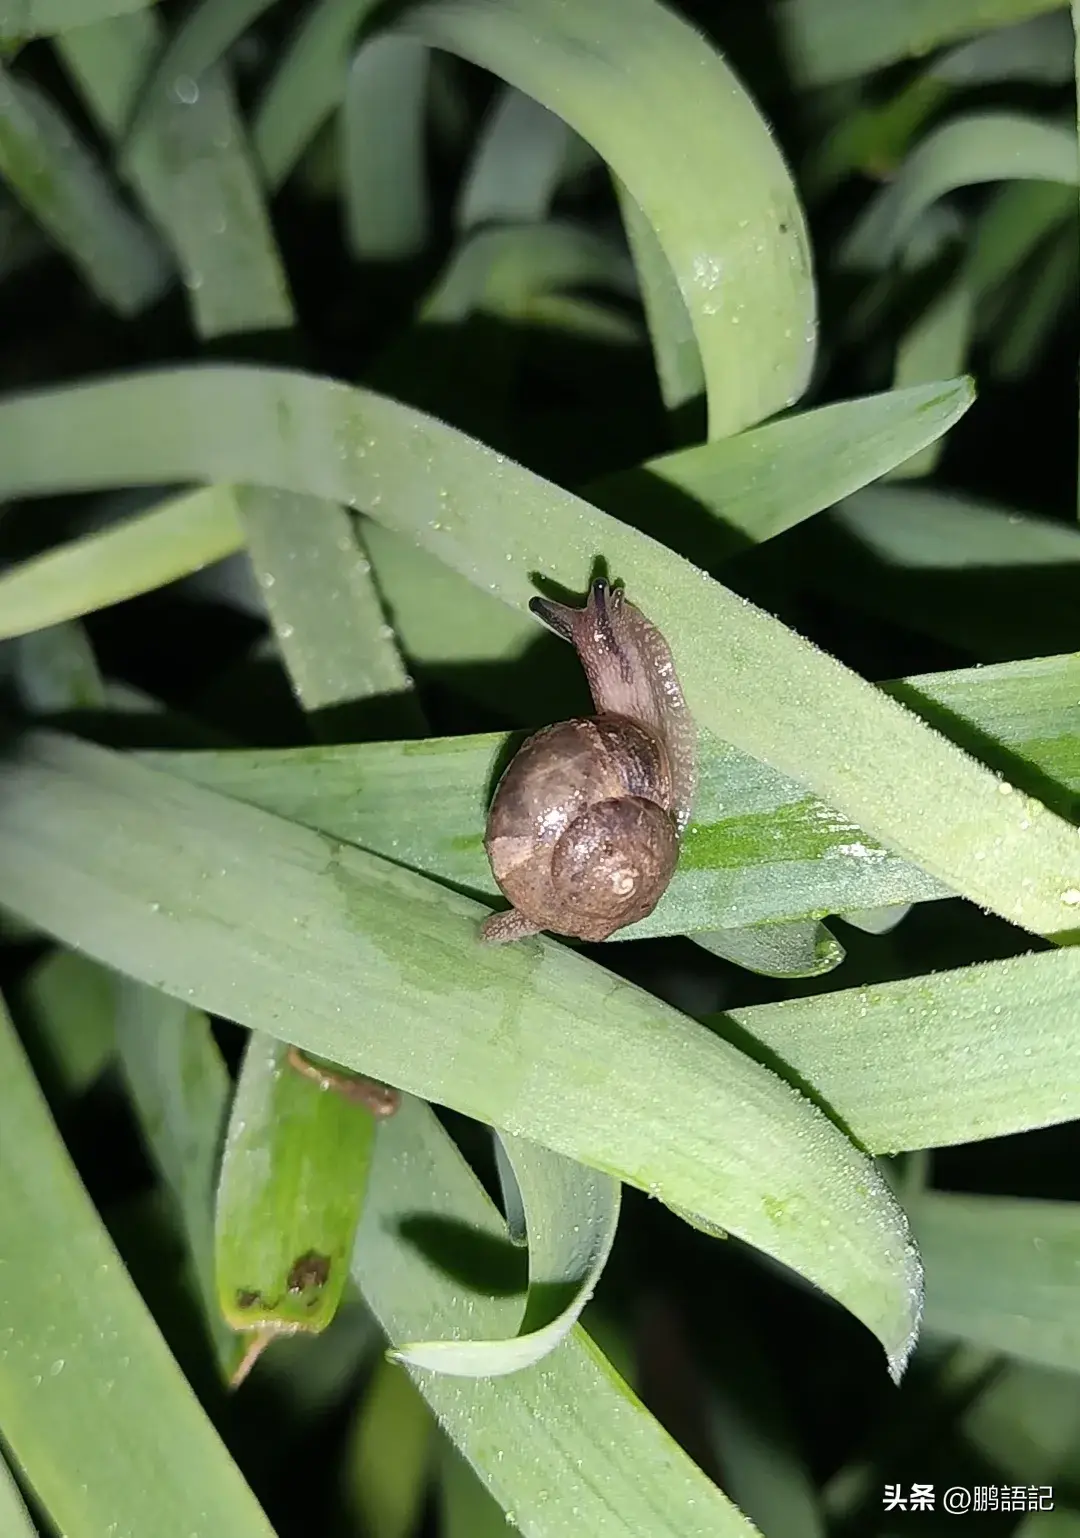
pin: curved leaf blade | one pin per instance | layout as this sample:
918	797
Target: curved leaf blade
926	1062
668	116
625	1475
498	525
75	1329
279	928
1002	1273
982	147
571	1214
179	536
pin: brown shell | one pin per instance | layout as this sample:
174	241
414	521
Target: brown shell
581	836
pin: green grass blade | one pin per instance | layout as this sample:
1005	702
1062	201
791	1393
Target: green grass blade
179	536
829	40
804	948
498	525
504	270
1027	1422
670	119
60	183
623	1474
203	38
769	478
14	1518
930	1061
384	120
307	85
760	849
1044	298
934	347
191	166
55	670
69	1027
292	1184
83	1366
40	18
571	1214
270	924
317	585
180	1092
982	147
388	1464
466	1509
907	553
680	368
1001	1272
1015	221
517	162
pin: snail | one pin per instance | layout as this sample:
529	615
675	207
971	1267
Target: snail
584	828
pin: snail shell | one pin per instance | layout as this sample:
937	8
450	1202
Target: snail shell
583	832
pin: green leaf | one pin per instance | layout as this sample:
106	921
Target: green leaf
1044	299
769	478
388	1464
934	347
269	924
466	1509
680	367
192	167
929	1061
760	849
307	85
55	670
571	1214
517	161
909	553
70	1004
39	18
289	1197
83	1366
624	1474
497	524
982	147
1001	1272
14	1518
1027	1422
673	123
828	40
804	948
504	270
317	585
60	183
178	536
180	1092
383	131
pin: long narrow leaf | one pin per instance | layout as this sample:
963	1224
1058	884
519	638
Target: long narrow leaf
180	536
83	1367
928	1061
60	183
564	1445
1002	1273
940	808
570	1215
269	924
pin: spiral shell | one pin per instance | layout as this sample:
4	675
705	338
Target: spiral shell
583	832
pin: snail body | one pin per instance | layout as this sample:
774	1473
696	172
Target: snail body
583	833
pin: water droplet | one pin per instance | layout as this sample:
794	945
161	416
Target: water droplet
186	89
1071	897
57	1368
